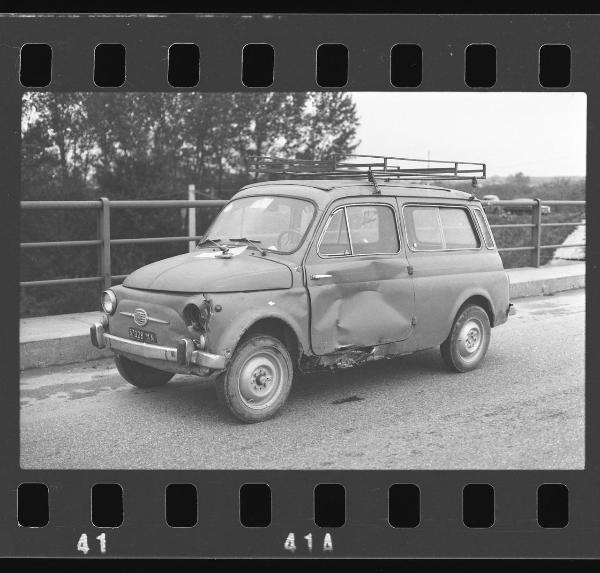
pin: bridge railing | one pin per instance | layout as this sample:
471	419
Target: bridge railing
104	240
536	225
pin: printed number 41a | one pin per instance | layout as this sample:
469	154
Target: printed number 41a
290	542
82	544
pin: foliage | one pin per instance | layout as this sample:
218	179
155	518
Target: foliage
147	146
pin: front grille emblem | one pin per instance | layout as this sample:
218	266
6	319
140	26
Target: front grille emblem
140	317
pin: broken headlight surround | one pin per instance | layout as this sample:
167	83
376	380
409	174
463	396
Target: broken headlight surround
197	317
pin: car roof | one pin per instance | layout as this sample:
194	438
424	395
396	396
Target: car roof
323	191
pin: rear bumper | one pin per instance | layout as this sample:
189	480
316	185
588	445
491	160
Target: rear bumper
183	355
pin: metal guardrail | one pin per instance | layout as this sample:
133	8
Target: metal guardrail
536	224
104	240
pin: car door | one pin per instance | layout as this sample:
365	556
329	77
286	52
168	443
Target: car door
357	277
445	252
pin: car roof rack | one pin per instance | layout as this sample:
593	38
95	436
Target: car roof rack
353	166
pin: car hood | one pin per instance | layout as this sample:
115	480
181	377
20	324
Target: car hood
204	271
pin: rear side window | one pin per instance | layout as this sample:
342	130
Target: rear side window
458	229
485	229
424	228
439	228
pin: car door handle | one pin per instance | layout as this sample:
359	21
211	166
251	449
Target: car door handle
318	277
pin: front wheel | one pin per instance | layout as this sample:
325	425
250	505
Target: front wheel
258	379
468	341
140	375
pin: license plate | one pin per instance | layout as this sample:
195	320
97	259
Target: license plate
142	335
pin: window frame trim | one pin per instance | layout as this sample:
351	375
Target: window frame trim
352	254
474	226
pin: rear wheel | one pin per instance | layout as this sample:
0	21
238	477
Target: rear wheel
141	375
258	380
468	341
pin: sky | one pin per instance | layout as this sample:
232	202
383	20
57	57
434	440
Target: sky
539	134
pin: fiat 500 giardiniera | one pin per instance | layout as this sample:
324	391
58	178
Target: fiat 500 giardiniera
336	264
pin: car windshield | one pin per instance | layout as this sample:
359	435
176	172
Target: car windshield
271	223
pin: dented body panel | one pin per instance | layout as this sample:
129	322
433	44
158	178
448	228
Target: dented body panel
334	312
358	301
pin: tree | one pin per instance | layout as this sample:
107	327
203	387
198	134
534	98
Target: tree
145	146
329	126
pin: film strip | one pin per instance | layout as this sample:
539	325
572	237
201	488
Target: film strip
281	505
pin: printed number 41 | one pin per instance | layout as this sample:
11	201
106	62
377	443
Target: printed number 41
290	542
82	544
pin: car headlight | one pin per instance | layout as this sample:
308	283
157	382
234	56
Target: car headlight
109	301
196	316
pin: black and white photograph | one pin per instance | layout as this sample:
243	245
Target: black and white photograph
303	280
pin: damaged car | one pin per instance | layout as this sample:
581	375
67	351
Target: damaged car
331	265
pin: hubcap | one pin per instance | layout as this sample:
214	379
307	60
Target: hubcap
259	381
470	339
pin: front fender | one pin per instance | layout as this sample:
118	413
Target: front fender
241	310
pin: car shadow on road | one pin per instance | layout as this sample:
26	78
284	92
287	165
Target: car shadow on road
183	397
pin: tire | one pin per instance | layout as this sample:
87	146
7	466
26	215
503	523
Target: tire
140	375
258	379
468	341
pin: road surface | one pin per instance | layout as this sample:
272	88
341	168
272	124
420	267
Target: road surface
523	409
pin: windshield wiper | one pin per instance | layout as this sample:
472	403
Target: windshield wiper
215	242
253	242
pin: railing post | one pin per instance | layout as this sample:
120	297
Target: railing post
191	217
104	236
536	232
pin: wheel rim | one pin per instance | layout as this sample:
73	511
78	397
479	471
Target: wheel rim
470	340
260	379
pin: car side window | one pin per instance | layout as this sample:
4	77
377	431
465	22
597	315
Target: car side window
372	229
458	229
335	240
424	228
432	228
485	229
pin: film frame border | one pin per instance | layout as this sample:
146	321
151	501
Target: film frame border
366	532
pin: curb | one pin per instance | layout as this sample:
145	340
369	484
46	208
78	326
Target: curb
59	351
546	287
546	280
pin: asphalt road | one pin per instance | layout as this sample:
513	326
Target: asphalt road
523	409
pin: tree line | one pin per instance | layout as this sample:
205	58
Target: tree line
151	146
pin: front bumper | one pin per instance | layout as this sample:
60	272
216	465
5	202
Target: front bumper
183	355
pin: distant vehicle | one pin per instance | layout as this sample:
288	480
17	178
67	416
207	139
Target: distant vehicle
308	274
490	198
527	202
